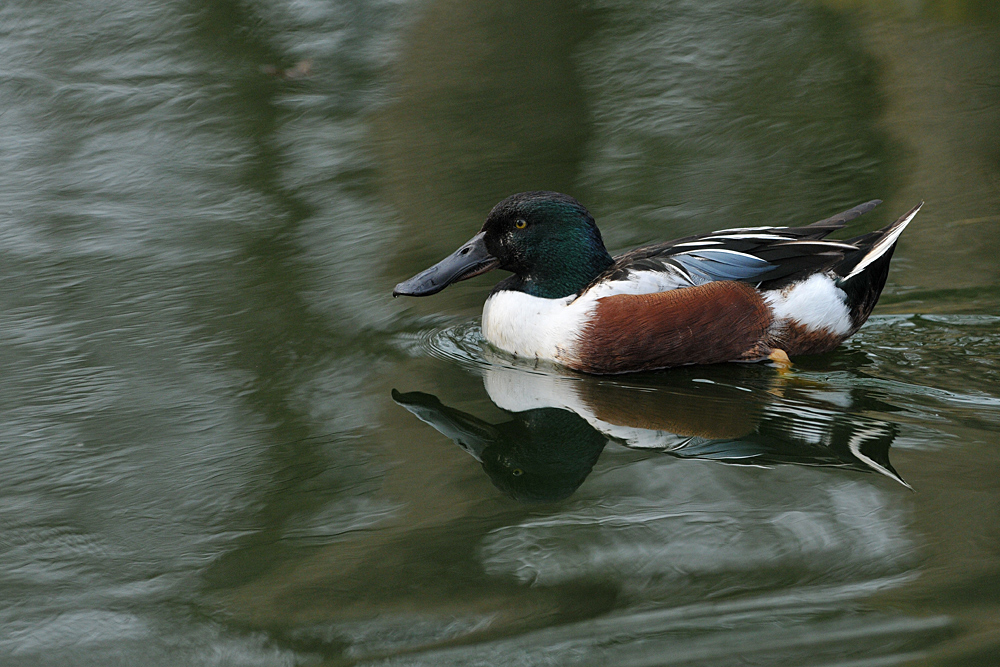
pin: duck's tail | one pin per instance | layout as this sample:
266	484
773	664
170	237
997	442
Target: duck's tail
862	274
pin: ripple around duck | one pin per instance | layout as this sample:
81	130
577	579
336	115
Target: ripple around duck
462	344
936	368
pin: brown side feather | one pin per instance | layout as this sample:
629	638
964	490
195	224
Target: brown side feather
711	323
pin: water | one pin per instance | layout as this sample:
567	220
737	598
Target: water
225	444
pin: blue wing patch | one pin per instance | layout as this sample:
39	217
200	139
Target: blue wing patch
707	265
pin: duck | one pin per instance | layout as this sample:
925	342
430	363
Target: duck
744	294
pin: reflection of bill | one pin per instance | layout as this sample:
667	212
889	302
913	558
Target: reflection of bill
560	425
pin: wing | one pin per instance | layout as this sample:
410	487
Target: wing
749	254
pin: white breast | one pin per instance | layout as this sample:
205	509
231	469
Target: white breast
536	328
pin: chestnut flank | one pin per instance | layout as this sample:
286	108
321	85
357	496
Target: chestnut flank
712	323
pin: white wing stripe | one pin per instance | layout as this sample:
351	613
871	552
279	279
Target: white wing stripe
821	244
755	237
711	251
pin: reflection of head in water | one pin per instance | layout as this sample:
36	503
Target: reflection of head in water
541	455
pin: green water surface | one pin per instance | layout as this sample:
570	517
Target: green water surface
224	443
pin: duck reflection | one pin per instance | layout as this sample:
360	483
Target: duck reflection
541	454
559	426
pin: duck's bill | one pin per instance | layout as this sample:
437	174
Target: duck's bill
472	259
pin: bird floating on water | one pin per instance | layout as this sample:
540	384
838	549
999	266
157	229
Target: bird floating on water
743	294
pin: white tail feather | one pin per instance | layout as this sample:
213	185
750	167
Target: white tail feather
883	244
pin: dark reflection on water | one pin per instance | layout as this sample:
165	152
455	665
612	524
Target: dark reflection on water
541	455
559	427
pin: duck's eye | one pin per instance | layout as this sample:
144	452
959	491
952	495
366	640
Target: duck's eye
520	223
516	472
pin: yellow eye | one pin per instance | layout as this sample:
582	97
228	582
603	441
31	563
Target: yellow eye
521	224
516	472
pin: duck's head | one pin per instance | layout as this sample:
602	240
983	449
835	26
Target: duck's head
547	240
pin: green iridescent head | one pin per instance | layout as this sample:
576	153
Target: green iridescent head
547	240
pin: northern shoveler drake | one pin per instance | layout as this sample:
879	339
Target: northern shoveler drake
743	294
